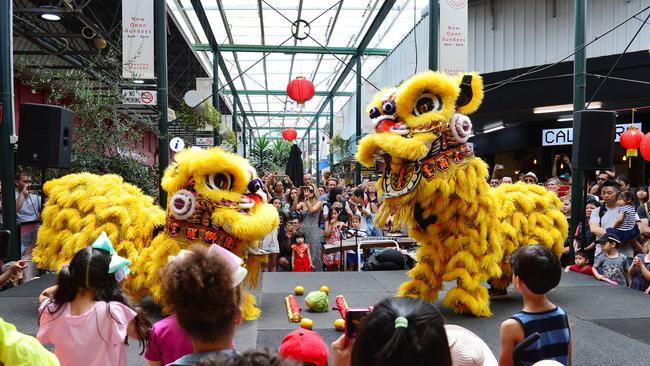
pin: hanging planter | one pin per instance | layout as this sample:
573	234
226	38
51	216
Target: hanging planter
289	134
300	90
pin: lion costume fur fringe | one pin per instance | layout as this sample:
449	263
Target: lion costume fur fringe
432	182
81	206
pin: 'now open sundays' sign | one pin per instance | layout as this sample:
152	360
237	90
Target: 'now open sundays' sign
564	136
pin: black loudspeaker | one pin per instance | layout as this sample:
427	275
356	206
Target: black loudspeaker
45	135
594	139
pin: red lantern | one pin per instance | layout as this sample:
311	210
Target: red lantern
300	90
645	147
631	138
289	134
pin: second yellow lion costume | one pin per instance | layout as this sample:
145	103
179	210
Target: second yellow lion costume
214	197
432	182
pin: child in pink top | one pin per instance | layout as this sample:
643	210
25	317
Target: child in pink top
167	343
86	316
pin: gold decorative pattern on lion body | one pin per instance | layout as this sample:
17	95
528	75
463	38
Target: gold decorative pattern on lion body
213	197
433	183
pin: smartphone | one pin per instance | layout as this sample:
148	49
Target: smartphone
354	318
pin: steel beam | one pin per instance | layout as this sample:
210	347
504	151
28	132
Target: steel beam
215	94
160	30
205	25
292	50
331	131
7	163
434	14
320	93
317	151
275	128
279	114
357	134
579	86
376	23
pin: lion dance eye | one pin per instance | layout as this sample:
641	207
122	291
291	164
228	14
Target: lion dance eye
255	185
427	103
374	112
389	108
219	181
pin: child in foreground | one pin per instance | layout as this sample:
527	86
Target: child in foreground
86	316
198	287
582	264
535	271
168	342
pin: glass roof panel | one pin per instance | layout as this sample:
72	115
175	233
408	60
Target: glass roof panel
274	72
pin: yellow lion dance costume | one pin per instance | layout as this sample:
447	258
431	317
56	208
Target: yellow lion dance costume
214	197
433	183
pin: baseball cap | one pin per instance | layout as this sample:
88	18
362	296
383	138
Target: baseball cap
468	349
565	177
609	237
304	345
593	200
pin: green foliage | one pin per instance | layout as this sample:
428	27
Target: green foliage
268	155
340	146
259	154
194	119
280	150
229	140
107	131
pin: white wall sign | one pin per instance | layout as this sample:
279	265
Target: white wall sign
137	39
452	50
564	136
205	141
143	97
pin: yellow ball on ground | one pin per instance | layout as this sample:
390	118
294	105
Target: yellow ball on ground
299	290
306	323
325	289
339	324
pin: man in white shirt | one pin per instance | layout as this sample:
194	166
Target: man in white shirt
603	218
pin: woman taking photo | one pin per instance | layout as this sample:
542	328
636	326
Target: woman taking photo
311	207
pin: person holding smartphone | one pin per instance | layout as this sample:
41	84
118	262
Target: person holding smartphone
311	208
28	215
398	330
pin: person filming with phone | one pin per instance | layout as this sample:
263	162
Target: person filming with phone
28	215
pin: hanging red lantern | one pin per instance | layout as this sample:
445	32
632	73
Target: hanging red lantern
300	90
289	134
631	138
644	148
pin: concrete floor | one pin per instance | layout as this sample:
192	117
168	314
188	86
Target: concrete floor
609	324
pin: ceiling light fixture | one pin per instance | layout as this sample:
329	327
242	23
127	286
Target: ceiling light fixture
565	118
497	128
138	81
51	13
564	108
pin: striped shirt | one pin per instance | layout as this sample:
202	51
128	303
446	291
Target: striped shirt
629	220
553	329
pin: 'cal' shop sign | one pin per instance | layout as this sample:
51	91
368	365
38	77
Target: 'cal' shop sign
564	136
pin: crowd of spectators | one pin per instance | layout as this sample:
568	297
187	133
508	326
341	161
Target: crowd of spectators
611	245
613	241
319	215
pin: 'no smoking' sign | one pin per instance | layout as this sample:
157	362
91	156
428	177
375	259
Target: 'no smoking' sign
141	97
